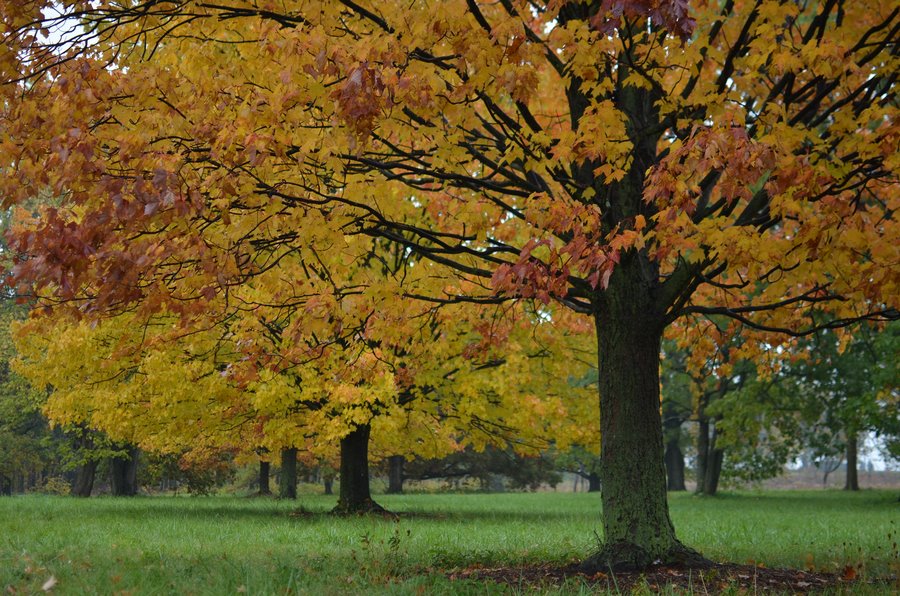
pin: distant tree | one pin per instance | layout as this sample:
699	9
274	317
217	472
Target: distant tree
846	388
486	467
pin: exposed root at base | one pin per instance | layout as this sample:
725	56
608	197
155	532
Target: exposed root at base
367	507
625	556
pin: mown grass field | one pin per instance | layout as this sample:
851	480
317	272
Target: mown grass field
230	545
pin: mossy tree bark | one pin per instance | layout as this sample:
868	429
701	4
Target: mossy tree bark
355	495
637	529
287	479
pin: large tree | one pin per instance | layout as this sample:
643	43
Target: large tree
629	160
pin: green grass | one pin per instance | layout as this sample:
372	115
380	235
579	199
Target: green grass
219	545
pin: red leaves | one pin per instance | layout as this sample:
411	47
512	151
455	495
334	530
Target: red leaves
671	14
361	98
674	183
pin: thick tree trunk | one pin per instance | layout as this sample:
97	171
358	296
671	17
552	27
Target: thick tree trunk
593	482
123	473
852	482
636	525
264	472
674	466
287	480
354	495
395	474
84	479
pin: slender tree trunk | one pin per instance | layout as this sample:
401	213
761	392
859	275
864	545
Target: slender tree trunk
702	450
287	485
636	525
852	482
395	474
123	473
674	458
328	484
674	466
264	472
354	495
84	479
5	485
713	471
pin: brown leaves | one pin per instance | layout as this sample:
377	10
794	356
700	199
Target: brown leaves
720	578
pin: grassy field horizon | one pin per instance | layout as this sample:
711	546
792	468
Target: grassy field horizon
219	545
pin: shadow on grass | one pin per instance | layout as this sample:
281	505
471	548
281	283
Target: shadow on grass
236	509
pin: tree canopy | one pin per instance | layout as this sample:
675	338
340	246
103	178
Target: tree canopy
638	162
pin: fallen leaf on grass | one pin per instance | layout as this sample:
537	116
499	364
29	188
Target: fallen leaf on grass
49	584
849	573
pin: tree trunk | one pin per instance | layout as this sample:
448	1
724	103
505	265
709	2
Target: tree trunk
674	458
328	483
287	482
123	473
395	474
5	486
593	482
852	482
713	471
674	466
709	457
264	471
702	450
354	495
84	479
637	529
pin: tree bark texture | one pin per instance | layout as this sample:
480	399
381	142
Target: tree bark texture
123	473
287	480
636	525
395	474
852	482
354	495
264	473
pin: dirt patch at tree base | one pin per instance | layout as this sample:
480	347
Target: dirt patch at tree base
716	579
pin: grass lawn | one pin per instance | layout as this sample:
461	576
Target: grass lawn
225	545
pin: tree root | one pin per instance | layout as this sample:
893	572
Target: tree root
367	507
625	556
